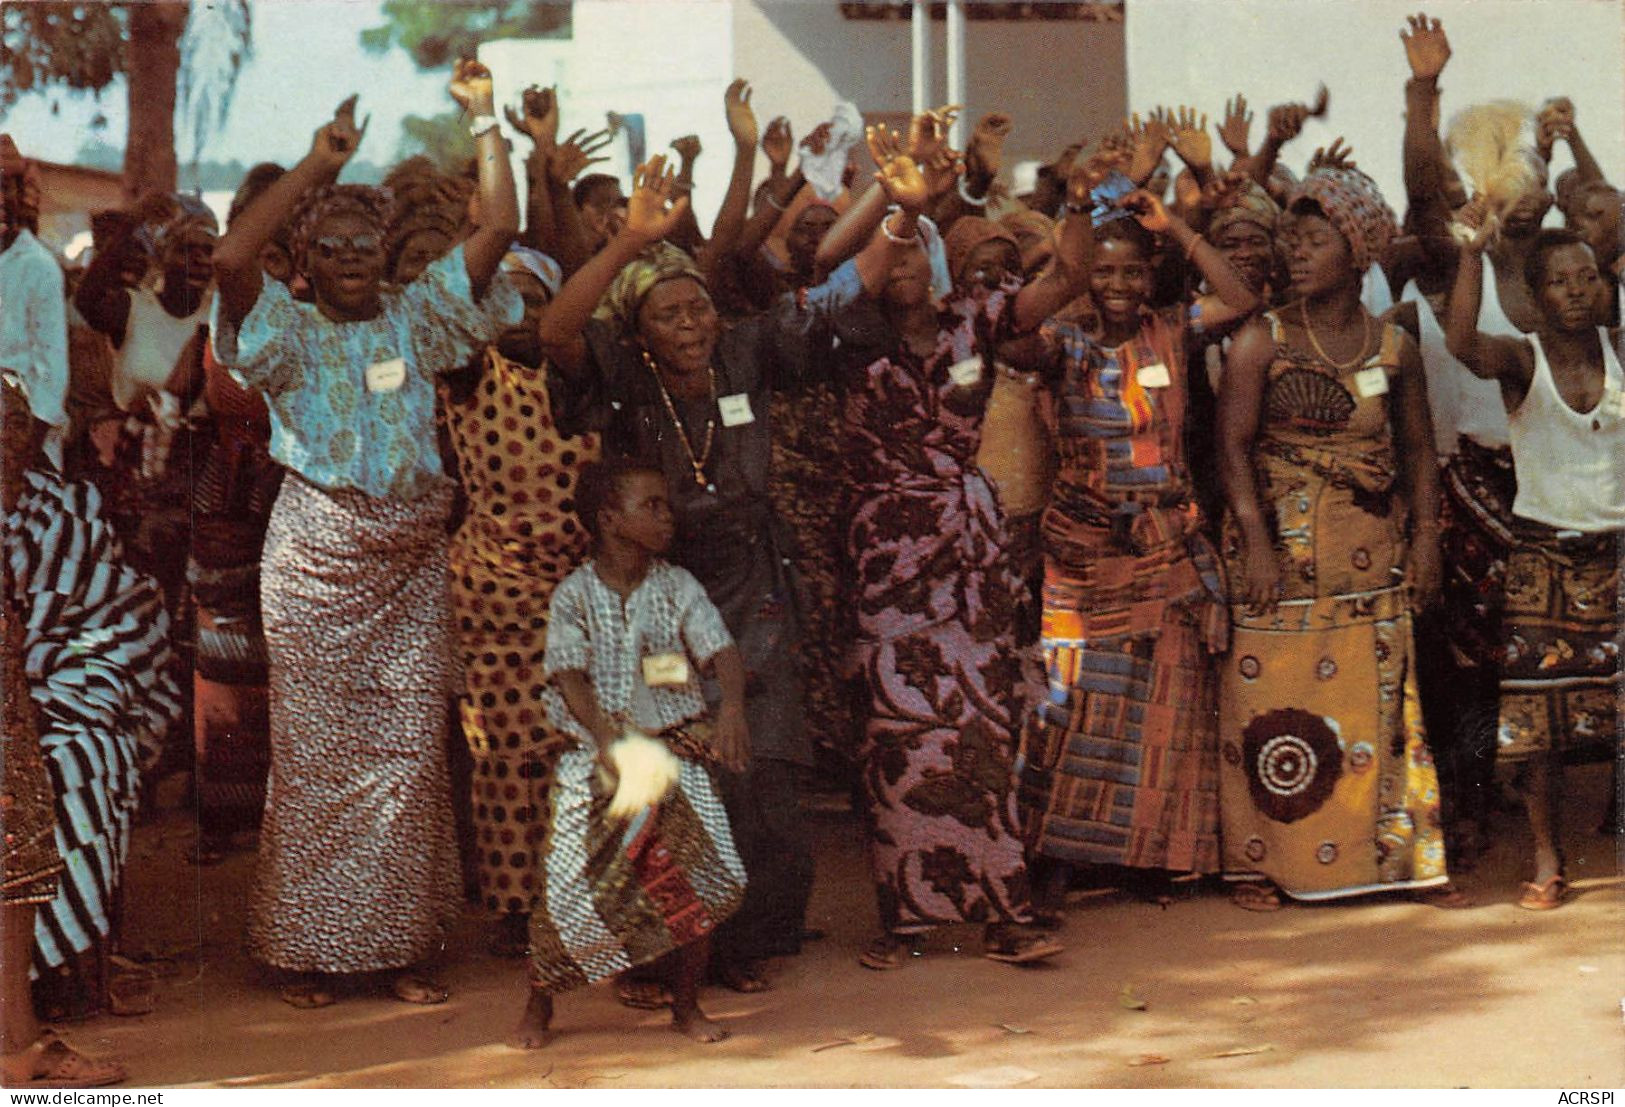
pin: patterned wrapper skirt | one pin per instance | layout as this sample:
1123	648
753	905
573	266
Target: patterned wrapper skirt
1478	488
1327	786
616	894
1561	674
236	488
358	866
97	658
1120	761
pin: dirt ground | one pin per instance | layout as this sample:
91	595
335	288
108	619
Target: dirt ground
1373	993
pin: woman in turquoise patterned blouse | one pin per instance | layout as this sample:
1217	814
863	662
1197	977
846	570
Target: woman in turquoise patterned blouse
358	867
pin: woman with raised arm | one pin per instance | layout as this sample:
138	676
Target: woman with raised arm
638	350
358	868
1327	787
936	628
1565	400
1120	758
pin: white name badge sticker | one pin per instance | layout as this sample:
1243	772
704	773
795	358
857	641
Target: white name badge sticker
1155	375
967	373
1371	382
1613	402
386	376
665	669
736	410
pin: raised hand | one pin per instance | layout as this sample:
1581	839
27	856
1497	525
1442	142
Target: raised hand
1555	120
985	152
1187	134
1335	156
470	86
1222	190
539	116
741	118
688	148
1236	125
1148	209
928	132
943	171
777	142
335	143
651	213
1475	224
899	175
572	156
1147	143
1286	122
1426	47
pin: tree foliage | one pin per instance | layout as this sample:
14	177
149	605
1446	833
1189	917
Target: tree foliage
443	138
77	46
436	33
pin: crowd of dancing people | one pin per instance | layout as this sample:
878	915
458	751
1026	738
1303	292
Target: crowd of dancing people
1166	515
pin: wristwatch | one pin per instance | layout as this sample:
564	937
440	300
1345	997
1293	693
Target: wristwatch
480	124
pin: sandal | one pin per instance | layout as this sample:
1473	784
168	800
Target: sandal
888	952
1545	896
53	1063
420	990
1010	945
306	997
1255	895
642	995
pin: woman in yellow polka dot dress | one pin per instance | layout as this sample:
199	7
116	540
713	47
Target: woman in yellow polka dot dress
519	539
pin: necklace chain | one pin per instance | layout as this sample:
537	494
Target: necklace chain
697	463
1365	339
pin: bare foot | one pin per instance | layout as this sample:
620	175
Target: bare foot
693	1024
535	1025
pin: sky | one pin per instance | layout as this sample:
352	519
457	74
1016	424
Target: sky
307	58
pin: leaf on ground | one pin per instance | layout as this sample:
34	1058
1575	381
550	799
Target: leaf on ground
1129	1001
1243	1001
1004	1076
855	1039
1009	1029
1243	1051
1589	968
1148	1059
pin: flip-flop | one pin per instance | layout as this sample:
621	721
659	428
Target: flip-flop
306	997
643	995
887	954
1545	896
1012	947
418	990
1253	896
56	1064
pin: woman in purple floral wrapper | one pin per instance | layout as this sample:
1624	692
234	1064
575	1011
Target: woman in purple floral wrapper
936	640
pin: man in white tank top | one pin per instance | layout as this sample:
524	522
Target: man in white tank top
1565	398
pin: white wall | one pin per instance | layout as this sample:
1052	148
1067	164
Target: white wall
671	61
1189	51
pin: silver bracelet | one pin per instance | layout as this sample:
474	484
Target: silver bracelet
973	201
896	240
774	204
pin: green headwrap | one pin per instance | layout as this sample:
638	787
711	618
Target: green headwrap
626	293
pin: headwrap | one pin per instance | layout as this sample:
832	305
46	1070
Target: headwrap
631	286
522	259
824	171
1354	205
1251	205
188	224
969	232
1028	223
365	201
